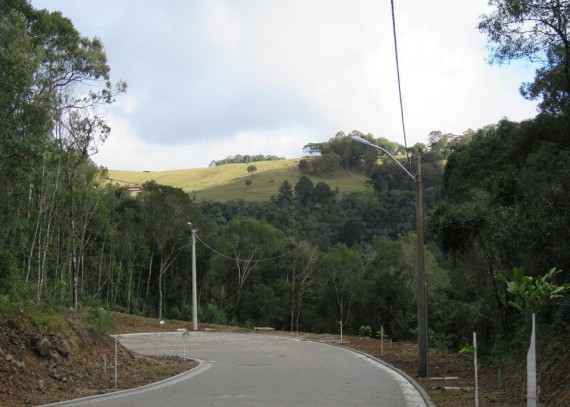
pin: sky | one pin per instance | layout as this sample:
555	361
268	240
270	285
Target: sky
208	79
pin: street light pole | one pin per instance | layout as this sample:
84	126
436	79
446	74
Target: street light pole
423	349
194	291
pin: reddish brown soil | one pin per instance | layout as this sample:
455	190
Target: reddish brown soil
83	373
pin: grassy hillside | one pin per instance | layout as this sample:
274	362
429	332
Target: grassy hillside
228	182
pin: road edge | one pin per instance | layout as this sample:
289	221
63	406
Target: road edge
195	371
423	393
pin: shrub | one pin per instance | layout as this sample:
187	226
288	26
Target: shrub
365	330
102	322
213	315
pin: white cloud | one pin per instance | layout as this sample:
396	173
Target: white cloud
126	151
218	78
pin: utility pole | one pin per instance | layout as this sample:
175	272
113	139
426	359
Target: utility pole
194	290
423	348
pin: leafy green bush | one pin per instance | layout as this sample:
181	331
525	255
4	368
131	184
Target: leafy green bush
213	315
102	321
8	273
174	313
365	330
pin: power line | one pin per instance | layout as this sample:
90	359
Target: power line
399	80
245	261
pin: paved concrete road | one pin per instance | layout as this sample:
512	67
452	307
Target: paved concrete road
264	370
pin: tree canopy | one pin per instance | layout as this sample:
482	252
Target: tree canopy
536	30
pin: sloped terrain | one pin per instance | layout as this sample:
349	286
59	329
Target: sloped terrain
60	358
228	182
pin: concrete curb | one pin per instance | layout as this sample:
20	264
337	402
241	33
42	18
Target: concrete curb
407	377
201	368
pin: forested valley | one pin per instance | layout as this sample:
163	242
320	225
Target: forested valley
309	259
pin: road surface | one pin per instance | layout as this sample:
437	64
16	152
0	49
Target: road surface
262	370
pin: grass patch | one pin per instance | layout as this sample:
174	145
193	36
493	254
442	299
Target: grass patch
228	182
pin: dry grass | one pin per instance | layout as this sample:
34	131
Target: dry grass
228	182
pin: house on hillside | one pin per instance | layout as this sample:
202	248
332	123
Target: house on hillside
134	189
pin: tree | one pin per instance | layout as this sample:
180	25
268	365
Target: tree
304	189
53	83
341	271
299	280
323	194
390	176
251	168
246	245
329	164
391	277
304	166
532	294
285	196
537	30
166	214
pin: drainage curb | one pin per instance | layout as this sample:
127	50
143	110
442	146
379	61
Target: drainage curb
201	368
407	377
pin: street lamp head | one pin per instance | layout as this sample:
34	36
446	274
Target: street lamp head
362	140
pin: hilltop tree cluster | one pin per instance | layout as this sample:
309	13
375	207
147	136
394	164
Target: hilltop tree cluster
240	159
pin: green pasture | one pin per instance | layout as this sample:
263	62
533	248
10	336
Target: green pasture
228	182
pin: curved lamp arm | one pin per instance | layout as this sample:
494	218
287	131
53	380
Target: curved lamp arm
368	143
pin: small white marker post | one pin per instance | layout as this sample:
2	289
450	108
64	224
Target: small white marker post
382	341
116	360
475	362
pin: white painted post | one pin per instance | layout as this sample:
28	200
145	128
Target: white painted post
531	368
475	362
116	360
382	341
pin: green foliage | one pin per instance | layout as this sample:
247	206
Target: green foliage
102	321
285	196
238	159
304	166
304	189
536	31
365	330
213	315
60	293
329	164
9	274
532	294
47	318
468	349
455	227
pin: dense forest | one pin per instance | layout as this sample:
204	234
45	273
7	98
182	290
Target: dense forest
309	258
